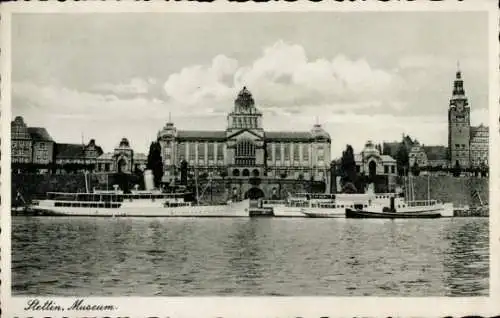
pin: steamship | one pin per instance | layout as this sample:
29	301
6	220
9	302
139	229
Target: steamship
328	205
138	203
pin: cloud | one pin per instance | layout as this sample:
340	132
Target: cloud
63	101
284	76
134	86
196	85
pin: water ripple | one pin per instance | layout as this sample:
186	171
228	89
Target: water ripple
274	257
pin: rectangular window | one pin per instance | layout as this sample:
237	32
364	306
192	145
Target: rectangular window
211	150
181	151
287	152
269	150
296	152
220	151
305	152
277	153
321	153
192	151
386	169
201	151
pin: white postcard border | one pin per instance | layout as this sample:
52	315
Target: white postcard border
257	306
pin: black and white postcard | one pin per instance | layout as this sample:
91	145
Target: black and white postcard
233	160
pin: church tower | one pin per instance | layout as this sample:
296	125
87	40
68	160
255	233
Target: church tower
459	125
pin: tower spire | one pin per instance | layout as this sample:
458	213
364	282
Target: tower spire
169	117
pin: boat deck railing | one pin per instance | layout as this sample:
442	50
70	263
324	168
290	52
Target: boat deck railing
421	203
273	202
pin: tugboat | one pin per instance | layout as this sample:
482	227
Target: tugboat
405	210
400	208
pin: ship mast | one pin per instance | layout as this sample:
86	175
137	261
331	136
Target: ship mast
428	188
196	184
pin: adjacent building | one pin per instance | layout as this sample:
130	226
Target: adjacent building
479	146
21	142
467	145
30	144
244	149
77	154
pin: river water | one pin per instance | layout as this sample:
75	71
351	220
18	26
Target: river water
259	256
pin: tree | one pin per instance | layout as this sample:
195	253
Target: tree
402	159
155	163
348	165
415	169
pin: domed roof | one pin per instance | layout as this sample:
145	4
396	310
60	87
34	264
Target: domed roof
370	149
319	133
124	143
244	98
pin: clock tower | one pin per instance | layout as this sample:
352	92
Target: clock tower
459	125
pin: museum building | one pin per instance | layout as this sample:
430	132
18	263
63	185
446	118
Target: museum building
244	149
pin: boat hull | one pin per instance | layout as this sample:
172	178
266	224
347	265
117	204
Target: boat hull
359	214
324	213
290	212
237	209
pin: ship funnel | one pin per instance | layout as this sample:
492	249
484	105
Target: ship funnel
148	180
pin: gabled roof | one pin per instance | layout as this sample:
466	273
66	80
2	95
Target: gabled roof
390	148
69	151
105	156
140	156
436	152
475	129
387	158
201	135
288	135
39	134
243	131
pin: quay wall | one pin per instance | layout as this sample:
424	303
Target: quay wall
459	191
34	186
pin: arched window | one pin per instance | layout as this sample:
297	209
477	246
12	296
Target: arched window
255	172
246	173
236	172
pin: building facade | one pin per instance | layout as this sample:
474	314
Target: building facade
417	155
244	149
77	154
30	144
371	162
479	146
468	146
21	142
42	146
122	160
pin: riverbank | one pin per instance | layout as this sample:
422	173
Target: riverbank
459	191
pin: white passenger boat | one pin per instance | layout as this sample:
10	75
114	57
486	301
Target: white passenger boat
402	207
137	203
399	209
328	205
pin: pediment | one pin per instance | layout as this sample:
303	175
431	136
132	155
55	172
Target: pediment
246	134
373	156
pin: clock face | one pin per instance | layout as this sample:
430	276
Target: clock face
460	106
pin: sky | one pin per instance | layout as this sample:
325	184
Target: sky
362	75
